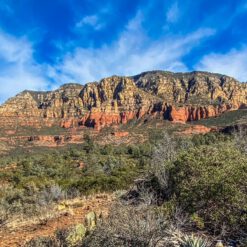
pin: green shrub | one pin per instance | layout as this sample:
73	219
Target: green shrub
73	236
209	138
211	181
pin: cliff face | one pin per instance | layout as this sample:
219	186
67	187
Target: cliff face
178	97
193	88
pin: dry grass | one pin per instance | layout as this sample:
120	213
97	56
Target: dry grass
61	216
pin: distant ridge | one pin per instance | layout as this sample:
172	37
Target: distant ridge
178	97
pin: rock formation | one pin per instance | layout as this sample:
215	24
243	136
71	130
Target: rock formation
120	133
178	97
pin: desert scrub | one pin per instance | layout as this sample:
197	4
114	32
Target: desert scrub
71	237
39	180
211	181
129	226
194	241
41	242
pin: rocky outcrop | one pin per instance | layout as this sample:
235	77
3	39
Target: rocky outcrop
43	140
178	97
99	119
196	129
194	113
120	134
201	88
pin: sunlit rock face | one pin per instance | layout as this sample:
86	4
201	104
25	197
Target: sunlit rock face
178	97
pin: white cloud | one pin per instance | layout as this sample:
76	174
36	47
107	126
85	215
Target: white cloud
14	50
18	68
233	63
172	14
130	54
90	20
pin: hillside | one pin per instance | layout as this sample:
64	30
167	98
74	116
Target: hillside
155	143
122	109
179	97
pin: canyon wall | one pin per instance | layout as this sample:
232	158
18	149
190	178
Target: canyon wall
178	97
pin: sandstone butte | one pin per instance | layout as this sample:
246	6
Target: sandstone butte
178	97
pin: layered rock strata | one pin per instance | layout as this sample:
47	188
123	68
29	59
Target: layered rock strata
178	97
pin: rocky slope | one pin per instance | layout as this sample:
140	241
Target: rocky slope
179	97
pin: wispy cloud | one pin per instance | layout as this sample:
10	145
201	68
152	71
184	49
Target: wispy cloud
14	50
90	20
132	53
172	14
18	71
232	63
5	7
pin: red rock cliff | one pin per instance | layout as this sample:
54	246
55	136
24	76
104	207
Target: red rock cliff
178	97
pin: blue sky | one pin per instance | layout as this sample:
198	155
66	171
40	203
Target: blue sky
46	43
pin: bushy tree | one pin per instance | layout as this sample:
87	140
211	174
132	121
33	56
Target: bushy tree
89	144
211	181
